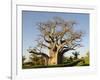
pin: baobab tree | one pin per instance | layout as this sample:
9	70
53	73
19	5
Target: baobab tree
58	36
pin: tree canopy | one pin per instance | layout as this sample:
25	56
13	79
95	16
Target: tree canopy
58	36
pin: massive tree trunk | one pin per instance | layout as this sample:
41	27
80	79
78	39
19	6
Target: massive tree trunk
53	55
53	58
59	58
61	53
56	54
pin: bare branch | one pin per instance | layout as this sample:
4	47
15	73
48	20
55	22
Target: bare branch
65	50
38	53
58	35
45	38
41	44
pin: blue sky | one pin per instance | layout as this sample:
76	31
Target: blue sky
30	31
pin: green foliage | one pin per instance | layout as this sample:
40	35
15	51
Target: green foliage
75	54
51	66
35	61
23	59
38	60
85	61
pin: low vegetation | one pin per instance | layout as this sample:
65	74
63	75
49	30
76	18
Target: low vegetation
39	62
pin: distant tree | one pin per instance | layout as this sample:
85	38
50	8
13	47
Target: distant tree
83	60
71	58
23	59
58	36
75	54
87	58
38	59
65	59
